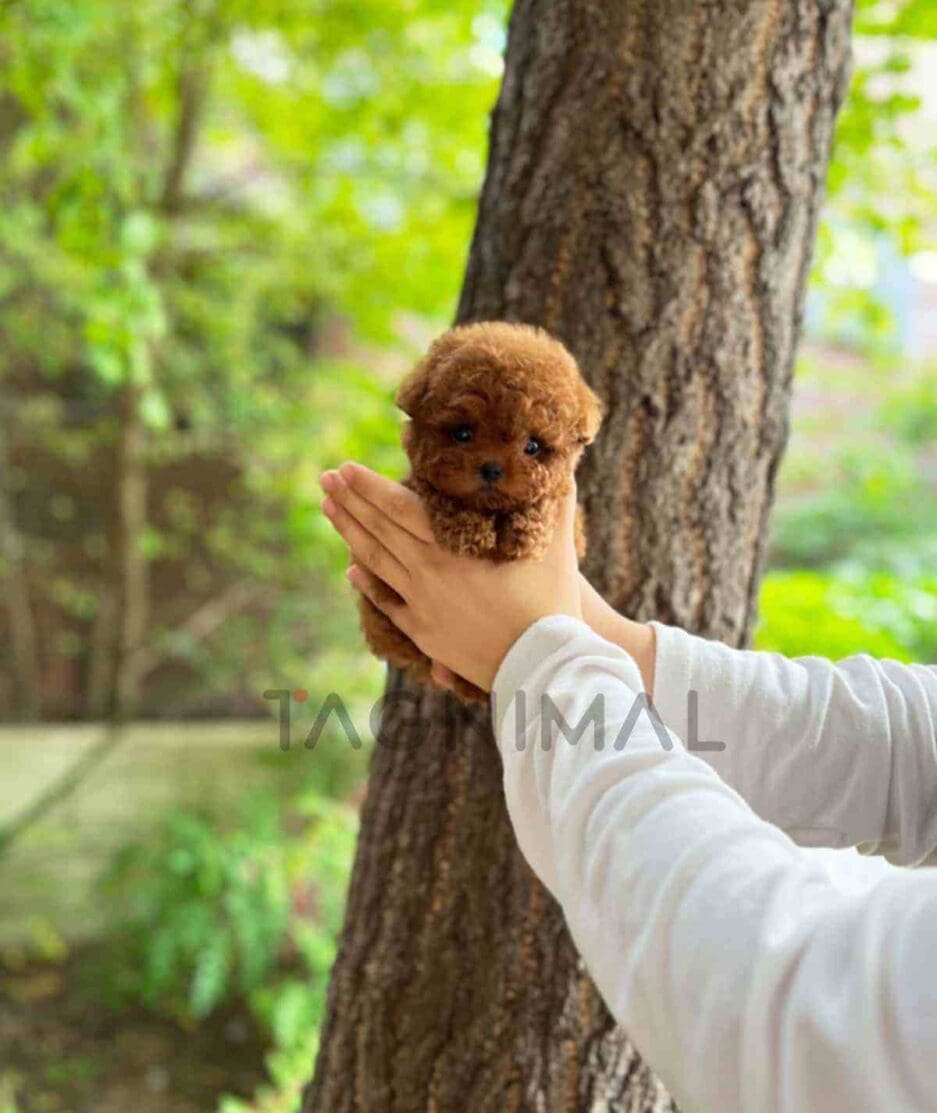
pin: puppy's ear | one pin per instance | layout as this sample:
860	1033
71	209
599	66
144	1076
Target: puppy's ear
413	391
590	416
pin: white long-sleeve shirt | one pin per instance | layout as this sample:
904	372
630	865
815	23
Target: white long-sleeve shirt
747	978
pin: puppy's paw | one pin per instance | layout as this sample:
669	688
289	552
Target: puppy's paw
525	535
466	532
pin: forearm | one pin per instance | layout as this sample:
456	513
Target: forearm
835	754
838	754
743	976
637	639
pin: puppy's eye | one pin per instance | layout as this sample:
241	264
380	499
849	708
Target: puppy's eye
532	447
462	434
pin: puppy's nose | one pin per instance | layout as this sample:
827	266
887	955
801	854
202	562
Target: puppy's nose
491	471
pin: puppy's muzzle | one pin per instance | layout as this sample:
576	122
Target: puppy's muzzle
491	471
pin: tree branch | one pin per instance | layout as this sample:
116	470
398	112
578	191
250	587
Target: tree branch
190	91
200	625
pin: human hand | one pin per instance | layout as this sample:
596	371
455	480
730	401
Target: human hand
463	612
636	638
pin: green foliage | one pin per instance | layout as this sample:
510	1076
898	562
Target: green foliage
880	186
807	613
207	913
909	410
914	19
851	609
289	1070
855	543
857	479
331	160
871	497
220	205
9	1085
253	214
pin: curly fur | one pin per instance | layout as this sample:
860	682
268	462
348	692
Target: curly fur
506	383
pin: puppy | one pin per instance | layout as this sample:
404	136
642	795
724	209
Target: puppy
499	416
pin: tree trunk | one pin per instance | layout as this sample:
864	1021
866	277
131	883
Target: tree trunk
21	640
130	559
652	192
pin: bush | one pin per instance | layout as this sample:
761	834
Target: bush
212	912
849	611
910	409
869	496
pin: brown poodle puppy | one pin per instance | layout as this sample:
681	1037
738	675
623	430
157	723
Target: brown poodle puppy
499	416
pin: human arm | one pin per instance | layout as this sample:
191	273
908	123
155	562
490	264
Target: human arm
836	755
745	977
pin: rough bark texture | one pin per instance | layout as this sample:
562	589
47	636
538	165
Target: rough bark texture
652	192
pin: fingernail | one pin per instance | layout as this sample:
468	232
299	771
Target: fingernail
347	471
330	481
328	507
353	573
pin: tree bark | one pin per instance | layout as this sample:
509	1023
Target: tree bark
655	175
22	640
130	559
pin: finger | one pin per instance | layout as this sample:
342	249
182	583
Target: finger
398	503
366	548
377	592
397	540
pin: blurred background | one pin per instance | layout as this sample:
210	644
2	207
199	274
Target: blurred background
226	229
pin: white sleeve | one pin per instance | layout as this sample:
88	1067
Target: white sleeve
835	754
744	976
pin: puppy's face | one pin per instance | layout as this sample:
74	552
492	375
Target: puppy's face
499	416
